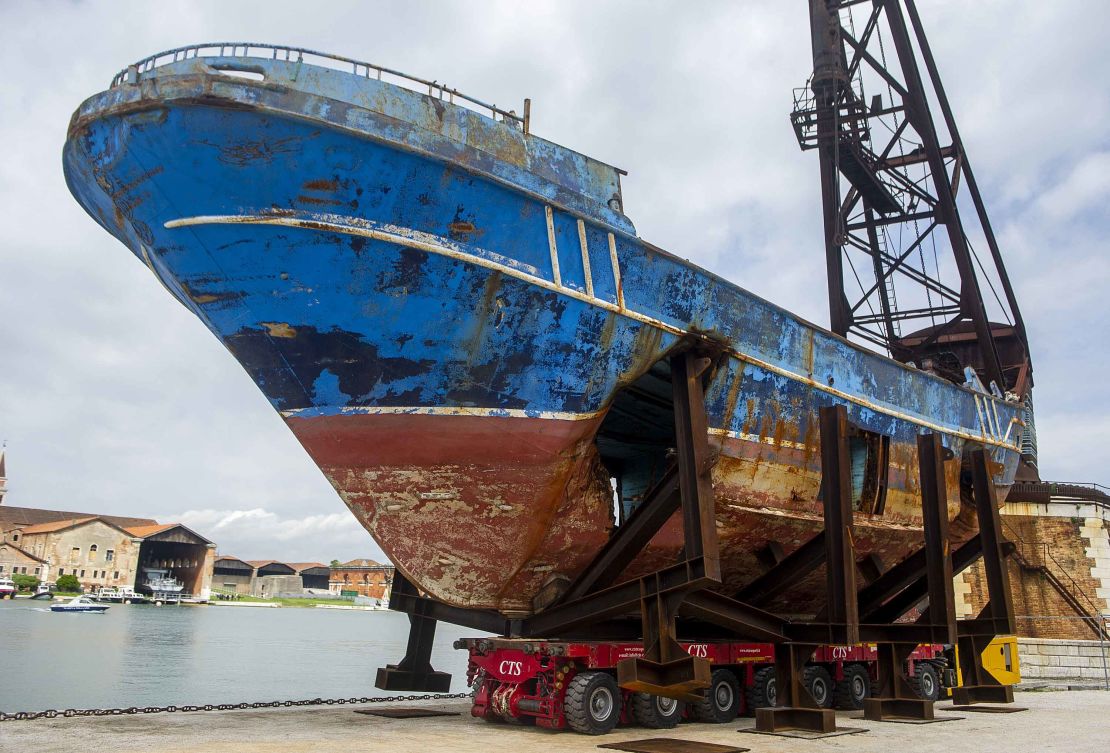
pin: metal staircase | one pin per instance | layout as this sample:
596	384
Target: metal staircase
1036	557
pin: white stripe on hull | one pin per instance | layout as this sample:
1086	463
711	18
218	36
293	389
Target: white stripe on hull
409	238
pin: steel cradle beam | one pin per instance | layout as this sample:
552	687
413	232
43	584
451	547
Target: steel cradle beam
629	539
792	569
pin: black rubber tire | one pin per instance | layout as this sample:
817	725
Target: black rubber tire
818	682
656	712
926	681
722	699
763	692
854	689
593	703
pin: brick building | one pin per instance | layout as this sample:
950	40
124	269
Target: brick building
108	550
15	561
362	577
1060	569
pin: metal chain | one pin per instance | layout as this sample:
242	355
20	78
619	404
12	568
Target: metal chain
53	713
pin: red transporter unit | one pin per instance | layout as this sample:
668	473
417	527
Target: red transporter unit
561	684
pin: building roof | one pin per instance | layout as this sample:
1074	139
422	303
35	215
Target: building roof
21	517
58	525
228	557
298	566
260	564
149	530
359	563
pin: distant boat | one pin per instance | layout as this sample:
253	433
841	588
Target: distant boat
161	582
83	603
122	595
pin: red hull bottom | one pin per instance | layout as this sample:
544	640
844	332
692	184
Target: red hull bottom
484	511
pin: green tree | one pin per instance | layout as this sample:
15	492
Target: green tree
336	563
68	583
25	582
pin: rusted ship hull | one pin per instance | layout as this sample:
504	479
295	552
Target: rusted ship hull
462	329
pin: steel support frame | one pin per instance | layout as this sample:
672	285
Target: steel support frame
664	668
896	699
678	596
414	672
997	617
796	708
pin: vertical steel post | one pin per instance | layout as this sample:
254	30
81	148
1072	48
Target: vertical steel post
414	672
938	555
840	561
795	707
997	617
1000	607
699	516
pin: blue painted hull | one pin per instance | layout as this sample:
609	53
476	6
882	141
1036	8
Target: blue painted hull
444	311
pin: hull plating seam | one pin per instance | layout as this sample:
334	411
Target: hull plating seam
992	434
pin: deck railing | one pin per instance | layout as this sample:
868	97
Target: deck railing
323	59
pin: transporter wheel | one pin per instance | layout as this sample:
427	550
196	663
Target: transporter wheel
722	699
655	711
763	693
854	689
818	682
851	692
926	681
593	703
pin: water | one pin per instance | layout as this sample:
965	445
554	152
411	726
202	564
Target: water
142	655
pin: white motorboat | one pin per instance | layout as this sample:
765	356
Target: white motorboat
83	603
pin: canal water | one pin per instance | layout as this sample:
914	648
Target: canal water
142	655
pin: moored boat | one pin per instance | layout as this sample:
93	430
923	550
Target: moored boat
121	595
159	582
457	321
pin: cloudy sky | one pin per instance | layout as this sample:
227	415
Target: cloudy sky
114	399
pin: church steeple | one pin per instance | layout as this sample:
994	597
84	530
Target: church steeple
3	476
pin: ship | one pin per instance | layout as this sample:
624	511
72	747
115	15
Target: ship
160	582
458	321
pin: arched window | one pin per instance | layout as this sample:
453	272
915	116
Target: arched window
92	552
346	578
365	578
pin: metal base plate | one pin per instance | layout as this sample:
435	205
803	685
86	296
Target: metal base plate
392	678
805	734
985	709
911	720
672	745
405	712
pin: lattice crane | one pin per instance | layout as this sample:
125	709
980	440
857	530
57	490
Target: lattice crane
913	263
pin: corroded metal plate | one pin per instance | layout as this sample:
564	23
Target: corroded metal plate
672	745
405	712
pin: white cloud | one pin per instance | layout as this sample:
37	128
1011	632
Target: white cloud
1084	188
259	533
